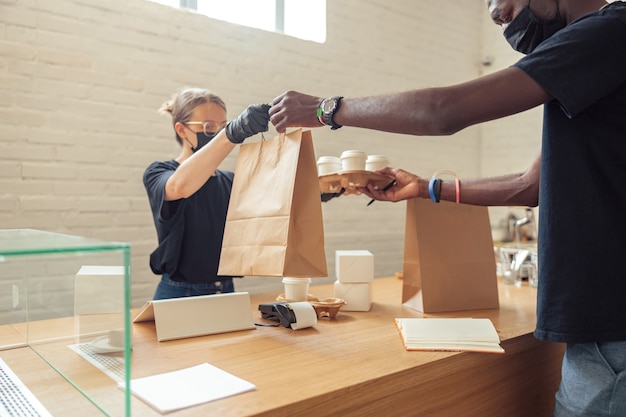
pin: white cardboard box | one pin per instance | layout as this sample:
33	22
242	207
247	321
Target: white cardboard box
358	296
99	289
354	266
98	301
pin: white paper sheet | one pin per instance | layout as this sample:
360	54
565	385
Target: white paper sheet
188	387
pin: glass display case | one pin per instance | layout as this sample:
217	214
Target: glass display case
67	298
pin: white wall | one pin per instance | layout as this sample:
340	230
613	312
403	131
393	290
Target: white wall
81	81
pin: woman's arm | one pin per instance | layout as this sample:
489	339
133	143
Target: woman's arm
198	168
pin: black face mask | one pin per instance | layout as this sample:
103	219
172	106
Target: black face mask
526	32
203	140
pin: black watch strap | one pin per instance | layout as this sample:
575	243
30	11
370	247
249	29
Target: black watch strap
329	107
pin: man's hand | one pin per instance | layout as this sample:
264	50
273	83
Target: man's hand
293	109
406	186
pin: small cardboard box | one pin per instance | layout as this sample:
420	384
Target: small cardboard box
98	301
354	266
99	289
358	296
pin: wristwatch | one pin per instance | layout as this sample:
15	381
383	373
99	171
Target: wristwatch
327	110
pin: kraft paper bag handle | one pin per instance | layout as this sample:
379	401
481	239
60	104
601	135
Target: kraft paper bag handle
263	145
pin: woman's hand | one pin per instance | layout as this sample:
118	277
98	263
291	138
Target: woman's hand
254	119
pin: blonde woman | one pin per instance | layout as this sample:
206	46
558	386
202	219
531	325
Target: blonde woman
189	195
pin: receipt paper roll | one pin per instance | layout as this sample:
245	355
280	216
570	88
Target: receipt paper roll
305	315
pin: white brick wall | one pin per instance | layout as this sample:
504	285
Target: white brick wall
81	80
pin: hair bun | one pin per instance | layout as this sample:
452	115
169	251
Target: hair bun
167	107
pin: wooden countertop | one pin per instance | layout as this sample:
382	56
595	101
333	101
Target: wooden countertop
355	364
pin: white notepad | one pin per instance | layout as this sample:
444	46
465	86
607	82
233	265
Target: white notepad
188	387
449	334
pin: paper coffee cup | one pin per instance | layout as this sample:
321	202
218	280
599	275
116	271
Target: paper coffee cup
116	337
353	160
375	162
328	165
296	289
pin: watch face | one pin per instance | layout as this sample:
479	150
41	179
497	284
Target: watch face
329	105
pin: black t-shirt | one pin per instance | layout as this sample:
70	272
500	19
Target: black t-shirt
582	197
190	230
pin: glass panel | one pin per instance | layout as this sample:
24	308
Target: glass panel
253	13
67	298
171	3
306	19
29	241
298	18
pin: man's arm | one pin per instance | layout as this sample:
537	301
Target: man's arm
521	189
431	111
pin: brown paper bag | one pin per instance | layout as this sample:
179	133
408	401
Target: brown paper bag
449	263
274	225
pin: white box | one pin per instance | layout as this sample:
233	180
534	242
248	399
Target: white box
354	266
99	289
358	296
98	301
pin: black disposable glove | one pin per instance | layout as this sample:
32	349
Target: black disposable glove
254	119
329	196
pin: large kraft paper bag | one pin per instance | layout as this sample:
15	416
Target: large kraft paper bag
449	263
274	225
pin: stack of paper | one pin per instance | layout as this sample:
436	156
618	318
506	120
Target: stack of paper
187	387
451	334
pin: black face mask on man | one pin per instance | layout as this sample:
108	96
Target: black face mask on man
203	139
526	32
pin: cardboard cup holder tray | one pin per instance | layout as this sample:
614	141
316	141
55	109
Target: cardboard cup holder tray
351	180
